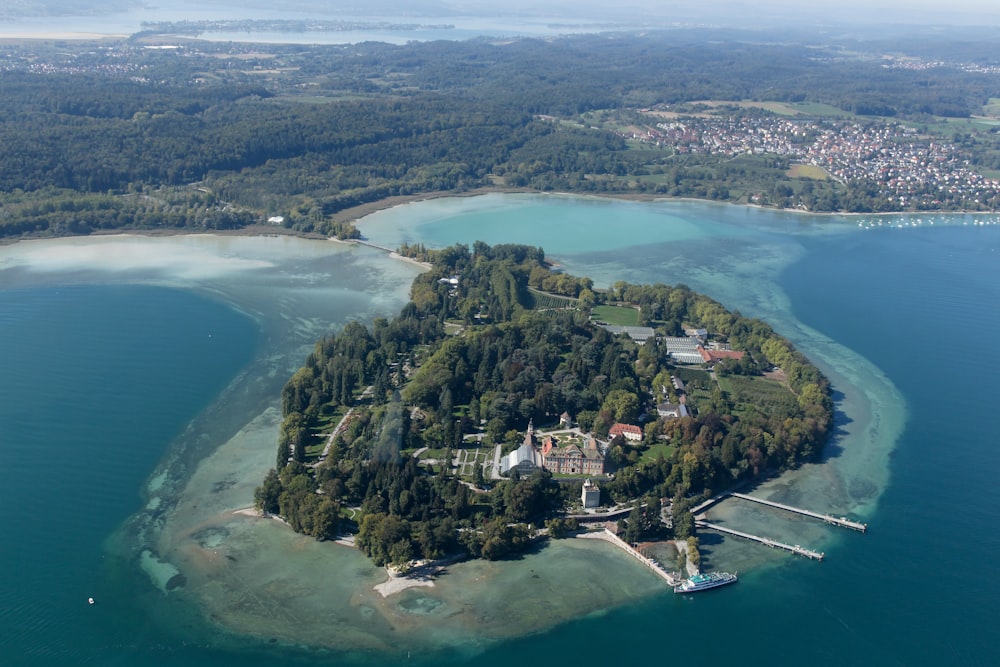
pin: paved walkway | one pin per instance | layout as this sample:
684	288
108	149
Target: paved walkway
495	474
340	426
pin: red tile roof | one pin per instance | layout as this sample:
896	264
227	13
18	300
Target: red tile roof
622	429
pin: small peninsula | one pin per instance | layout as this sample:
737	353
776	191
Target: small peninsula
509	400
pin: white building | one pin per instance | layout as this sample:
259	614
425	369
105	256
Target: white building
671	410
591	495
525	459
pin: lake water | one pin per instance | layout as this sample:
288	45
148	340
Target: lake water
138	391
424	27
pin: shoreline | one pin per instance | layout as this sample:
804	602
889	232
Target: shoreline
420	576
355	214
62	36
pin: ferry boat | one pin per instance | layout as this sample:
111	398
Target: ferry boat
702	582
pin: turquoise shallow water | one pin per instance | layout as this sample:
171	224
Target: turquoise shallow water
903	319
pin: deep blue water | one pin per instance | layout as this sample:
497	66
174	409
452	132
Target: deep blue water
924	304
95	381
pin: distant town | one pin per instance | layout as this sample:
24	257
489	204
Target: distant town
911	170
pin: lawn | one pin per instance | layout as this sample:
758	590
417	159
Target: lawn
657	450
618	315
433	453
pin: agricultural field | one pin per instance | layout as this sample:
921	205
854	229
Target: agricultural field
544	301
693	378
820	110
758	392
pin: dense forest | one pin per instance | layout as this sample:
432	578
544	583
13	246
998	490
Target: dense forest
471	361
209	136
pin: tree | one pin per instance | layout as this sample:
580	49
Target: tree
501	539
652	521
294	437
325	519
683	521
477	475
446	417
622	405
561	527
633	526
380	536
525	498
400	553
265	497
693	555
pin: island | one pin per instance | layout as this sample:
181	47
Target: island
509	400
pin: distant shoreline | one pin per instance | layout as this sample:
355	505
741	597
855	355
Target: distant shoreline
356	213
48	36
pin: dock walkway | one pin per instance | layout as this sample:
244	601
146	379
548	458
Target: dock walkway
373	245
774	544
853	525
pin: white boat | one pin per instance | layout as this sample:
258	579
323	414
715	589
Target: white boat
702	582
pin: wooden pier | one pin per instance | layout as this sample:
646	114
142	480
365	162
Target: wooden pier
774	544
853	525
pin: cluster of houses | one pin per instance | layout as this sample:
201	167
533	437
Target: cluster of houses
910	169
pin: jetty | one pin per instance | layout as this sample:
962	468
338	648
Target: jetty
766	541
842	521
373	245
705	504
